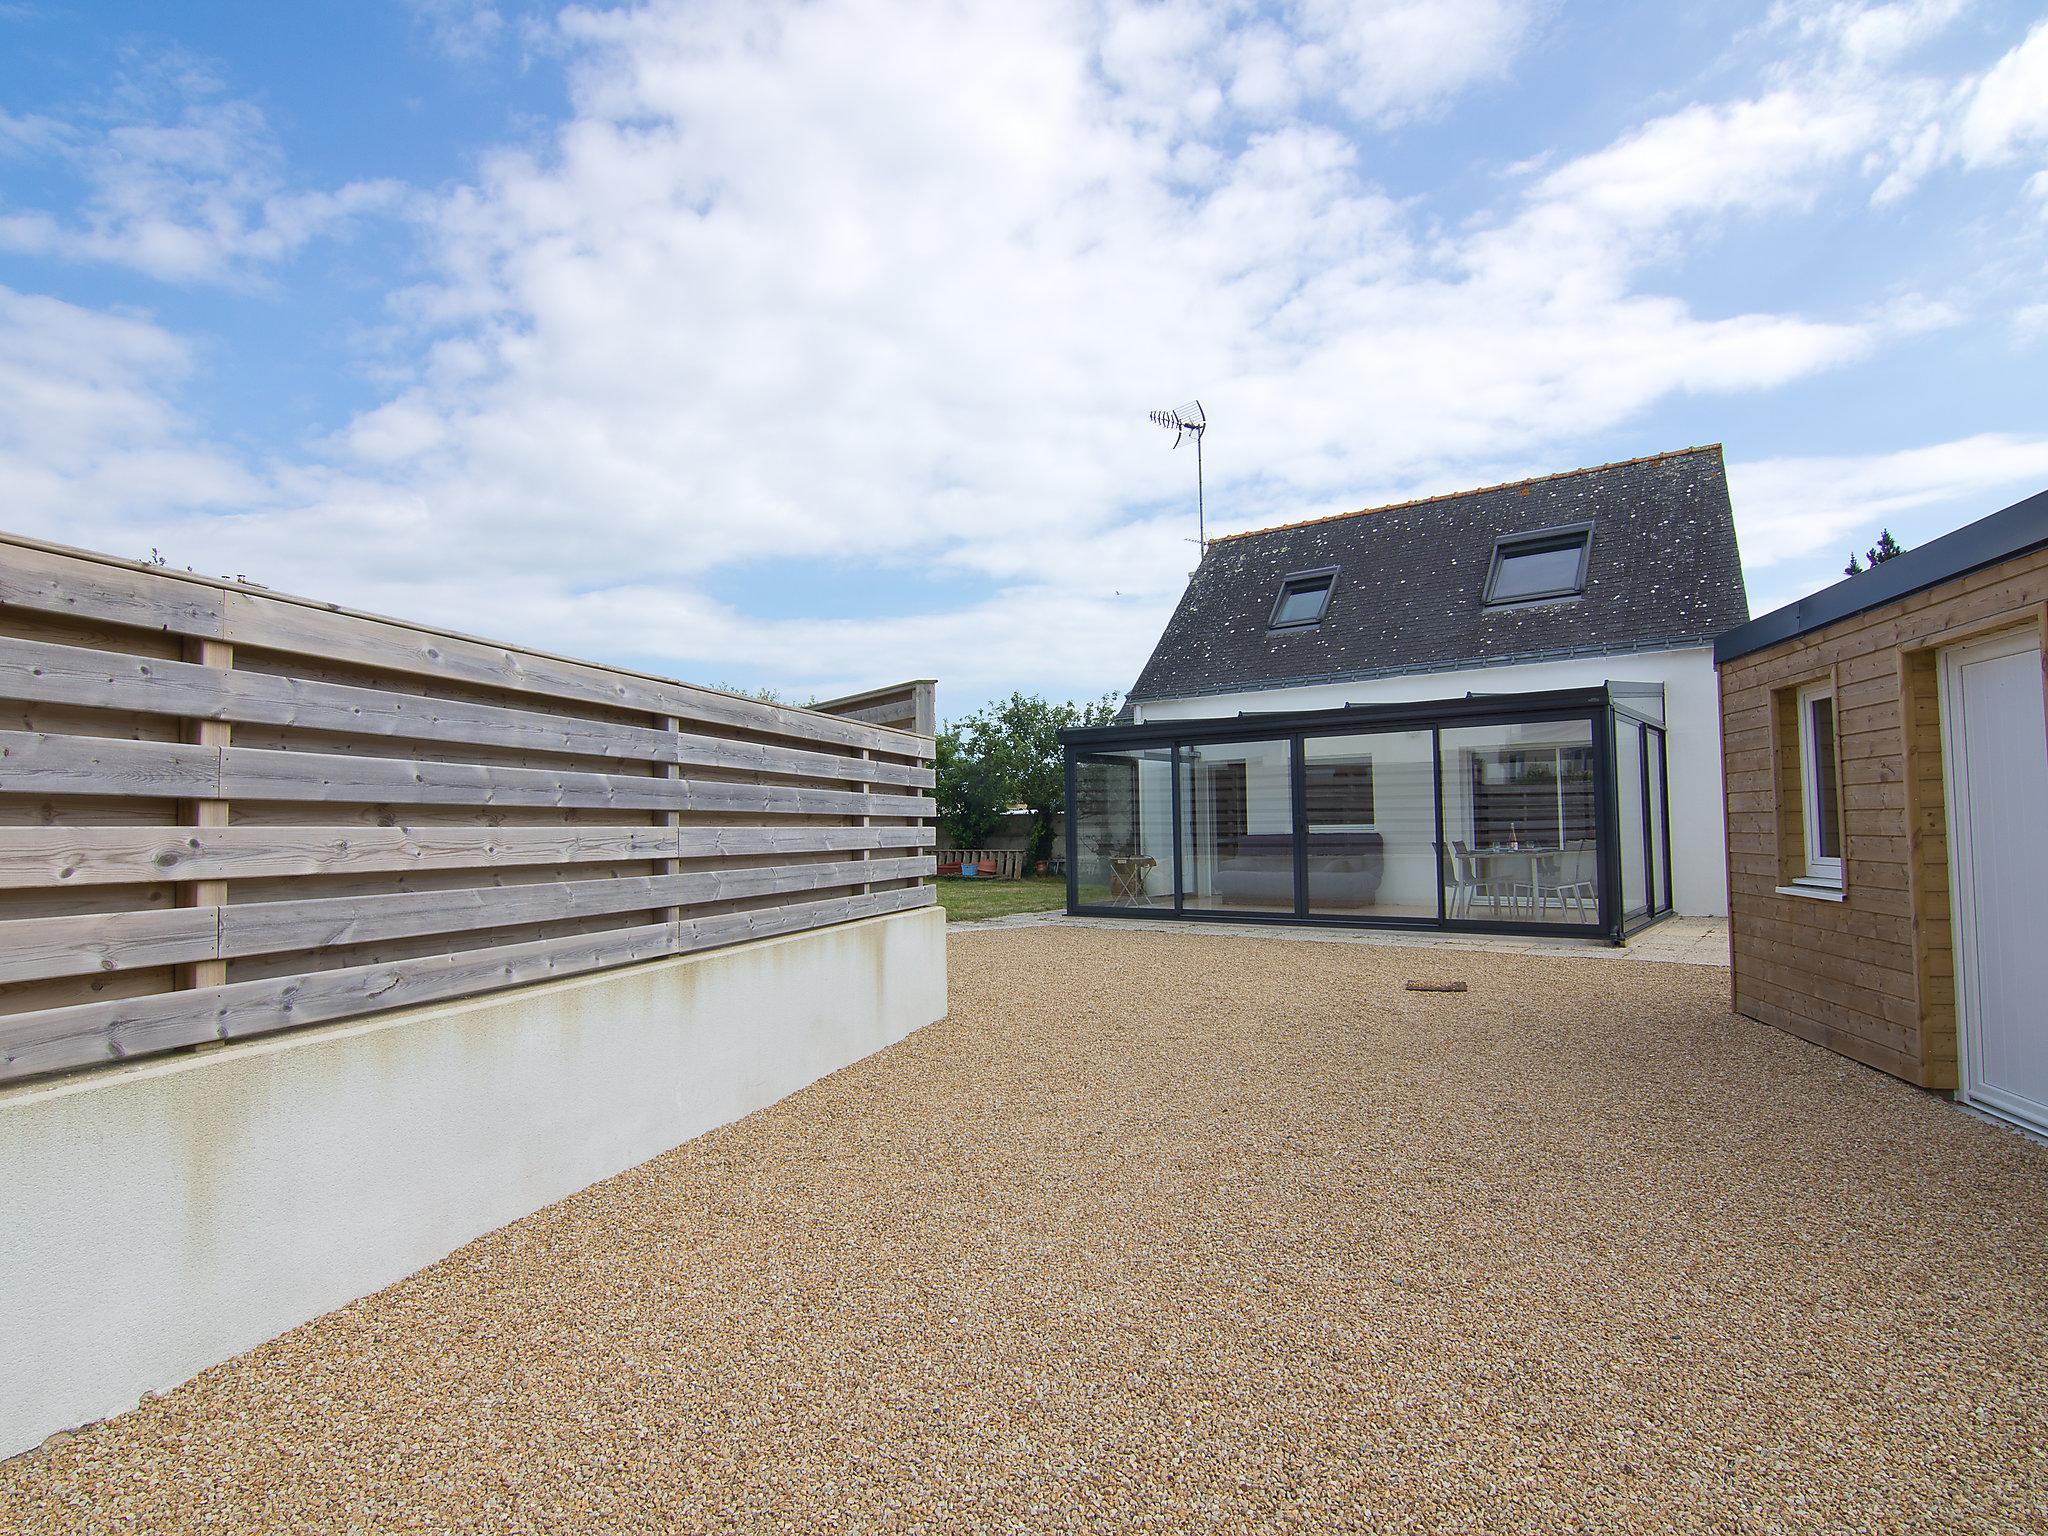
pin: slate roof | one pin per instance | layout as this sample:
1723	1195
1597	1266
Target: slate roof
1663	572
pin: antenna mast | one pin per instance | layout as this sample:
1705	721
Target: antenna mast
1185	422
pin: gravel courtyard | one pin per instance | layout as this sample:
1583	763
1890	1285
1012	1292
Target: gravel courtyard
1184	1232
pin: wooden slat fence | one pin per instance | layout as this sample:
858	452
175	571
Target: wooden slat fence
1009	862
224	812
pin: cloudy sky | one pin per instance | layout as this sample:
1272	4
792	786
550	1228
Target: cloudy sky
811	346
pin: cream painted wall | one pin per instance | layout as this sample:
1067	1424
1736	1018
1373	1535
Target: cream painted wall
160	1218
1699	865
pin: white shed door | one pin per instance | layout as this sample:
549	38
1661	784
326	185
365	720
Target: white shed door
1997	750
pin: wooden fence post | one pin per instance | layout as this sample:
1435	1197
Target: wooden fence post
671	819
205	813
866	788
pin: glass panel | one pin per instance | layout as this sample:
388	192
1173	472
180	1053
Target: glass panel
1628	803
1521	817
1828	809
1123	832
1237	826
1303	604
1531	572
1645	699
1660	870
1371	803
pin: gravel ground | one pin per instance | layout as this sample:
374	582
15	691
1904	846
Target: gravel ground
1192	1233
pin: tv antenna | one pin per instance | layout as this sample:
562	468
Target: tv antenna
1184	422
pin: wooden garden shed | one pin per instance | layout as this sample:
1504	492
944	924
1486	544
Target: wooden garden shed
1886	764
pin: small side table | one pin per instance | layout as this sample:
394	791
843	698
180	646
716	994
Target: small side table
1127	877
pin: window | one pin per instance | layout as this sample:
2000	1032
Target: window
1339	791
1304	599
1820	793
1530	566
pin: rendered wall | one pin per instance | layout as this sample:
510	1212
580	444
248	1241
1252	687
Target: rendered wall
160	1218
1692	713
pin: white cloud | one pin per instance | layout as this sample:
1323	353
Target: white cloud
465	30
1787	509
2008	109
182	183
88	436
1865	35
1388	59
895	286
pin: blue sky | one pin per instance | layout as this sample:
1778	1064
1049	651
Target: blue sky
811	346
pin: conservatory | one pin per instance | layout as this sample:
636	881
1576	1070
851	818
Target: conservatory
1520	813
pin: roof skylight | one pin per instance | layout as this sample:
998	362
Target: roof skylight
1304	599
1550	562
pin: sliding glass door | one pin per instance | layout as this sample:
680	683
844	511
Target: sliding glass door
1237	826
1521	823
1370	825
1123	828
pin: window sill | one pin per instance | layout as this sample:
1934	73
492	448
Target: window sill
1814	890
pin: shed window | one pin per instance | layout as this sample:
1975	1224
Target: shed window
1820	791
1528	566
1303	599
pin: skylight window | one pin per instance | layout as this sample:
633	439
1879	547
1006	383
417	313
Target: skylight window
1304	599
1531	566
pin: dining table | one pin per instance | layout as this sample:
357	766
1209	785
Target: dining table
1513	866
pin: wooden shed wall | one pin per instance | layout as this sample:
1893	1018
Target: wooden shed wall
1871	976
225	811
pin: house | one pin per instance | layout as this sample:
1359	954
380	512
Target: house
1495	708
1887	782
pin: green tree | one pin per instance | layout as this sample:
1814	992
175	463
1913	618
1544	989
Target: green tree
1020	737
971	792
1886	548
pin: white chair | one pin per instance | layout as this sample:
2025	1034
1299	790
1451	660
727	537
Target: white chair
1457	877
1478	881
1571	876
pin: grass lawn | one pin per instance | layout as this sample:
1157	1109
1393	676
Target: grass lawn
967	900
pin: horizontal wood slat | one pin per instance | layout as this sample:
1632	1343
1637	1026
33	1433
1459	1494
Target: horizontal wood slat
270	623
77	584
39	672
254	773
270	926
98	943
88	1033
109	592
32	763
218	804
48	857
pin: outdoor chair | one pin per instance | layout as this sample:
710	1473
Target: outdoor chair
1476	881
1457	877
1570	876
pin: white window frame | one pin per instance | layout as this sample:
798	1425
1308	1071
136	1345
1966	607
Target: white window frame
1819	870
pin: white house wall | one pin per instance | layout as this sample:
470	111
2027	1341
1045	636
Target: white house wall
1699	870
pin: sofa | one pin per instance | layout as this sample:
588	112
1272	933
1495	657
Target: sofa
1257	870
